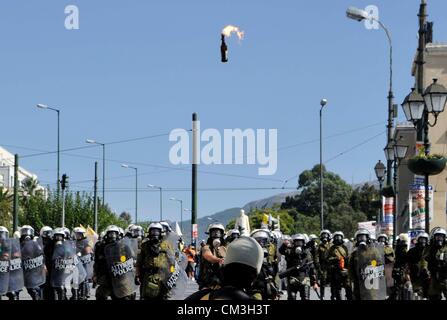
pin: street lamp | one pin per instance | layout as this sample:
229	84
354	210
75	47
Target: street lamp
360	15
90	141
323	102
136	189
380	171
400	152
181	212
417	109
44	106
161	199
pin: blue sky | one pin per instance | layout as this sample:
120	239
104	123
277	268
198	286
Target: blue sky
140	68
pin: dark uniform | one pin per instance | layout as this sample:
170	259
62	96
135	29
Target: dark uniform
414	256
151	262
210	273
101	273
338	258
400	271
303	276
434	267
321	265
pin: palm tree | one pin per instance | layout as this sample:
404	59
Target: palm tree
29	186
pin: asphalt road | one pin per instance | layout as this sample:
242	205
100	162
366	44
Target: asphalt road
190	289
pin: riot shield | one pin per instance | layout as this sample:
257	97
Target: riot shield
350	246
177	283
79	274
133	244
5	253
120	262
16	281
85	257
371	272
33	263
63	264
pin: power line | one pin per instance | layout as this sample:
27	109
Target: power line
340	154
45	152
355	147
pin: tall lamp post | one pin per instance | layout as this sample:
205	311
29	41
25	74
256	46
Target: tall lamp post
161	198
380	171
361	15
417	109
323	102
181	212
90	141
43	106
400	152
136	189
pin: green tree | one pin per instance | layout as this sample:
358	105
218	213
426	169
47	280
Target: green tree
336	192
5	208
367	200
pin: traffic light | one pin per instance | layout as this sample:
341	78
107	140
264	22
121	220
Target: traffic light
64	181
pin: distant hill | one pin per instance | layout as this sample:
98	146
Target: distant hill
226	215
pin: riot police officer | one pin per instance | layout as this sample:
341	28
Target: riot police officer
300	271
153	264
4	233
101	274
414	256
86	257
434	265
264	287
232	235
400	274
320	259
242	265
337	258
212	257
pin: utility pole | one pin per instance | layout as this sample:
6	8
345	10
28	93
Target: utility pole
195	151
95	198
16	193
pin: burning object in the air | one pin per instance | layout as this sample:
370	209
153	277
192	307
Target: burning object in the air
226	32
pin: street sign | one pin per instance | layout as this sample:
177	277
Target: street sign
195	231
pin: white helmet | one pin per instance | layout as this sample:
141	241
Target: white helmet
155	225
155	230
166	227
136	231
423	235
27	230
246	251
78	231
262	236
362	232
326	232
233	234
67	232
46	232
312	237
4	233
306	237
298	236
440	231
112	228
59	231
127	231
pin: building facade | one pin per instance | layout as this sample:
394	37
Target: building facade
434	68
7	173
